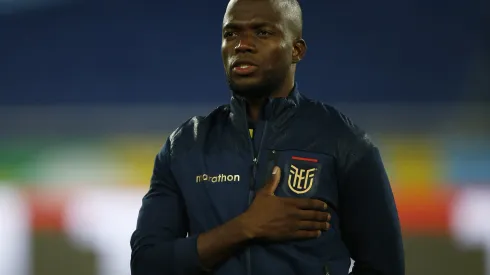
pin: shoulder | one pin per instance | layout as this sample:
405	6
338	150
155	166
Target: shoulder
352	141
195	128
335	121
347	129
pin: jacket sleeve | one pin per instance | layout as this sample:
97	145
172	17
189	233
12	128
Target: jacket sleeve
368	218
159	244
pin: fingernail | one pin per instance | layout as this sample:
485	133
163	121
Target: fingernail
325	206
274	171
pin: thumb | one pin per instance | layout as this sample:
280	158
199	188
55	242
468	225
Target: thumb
271	186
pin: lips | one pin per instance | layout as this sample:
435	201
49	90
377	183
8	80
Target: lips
244	67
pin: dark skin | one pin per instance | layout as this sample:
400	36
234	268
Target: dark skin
257	32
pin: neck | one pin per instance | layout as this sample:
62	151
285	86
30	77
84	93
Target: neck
255	105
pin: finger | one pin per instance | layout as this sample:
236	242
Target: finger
307	234
271	186
313	225
312	215
308	204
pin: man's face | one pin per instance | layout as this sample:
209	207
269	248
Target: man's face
256	48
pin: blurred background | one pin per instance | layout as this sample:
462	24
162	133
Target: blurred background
89	90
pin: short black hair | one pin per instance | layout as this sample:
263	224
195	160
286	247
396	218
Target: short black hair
293	14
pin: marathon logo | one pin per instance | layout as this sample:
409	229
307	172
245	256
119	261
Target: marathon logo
221	178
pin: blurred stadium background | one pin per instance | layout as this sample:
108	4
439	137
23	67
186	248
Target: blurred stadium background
89	90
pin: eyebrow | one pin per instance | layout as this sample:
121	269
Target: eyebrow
254	25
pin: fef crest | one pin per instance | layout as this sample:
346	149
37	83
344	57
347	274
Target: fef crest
300	181
302	174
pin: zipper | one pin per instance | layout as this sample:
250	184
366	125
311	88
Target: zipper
251	193
255	161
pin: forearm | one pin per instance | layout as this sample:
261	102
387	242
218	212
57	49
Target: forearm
153	256
220	243
186	256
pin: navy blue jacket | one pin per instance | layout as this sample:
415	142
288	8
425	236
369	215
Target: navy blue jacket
209	170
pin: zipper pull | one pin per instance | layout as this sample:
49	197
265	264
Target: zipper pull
273	157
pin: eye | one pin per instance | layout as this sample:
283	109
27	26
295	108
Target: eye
263	33
227	34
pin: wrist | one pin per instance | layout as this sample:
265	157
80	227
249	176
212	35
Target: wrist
246	228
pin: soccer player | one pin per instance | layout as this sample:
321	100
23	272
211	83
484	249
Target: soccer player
272	183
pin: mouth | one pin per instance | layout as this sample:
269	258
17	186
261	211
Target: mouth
243	68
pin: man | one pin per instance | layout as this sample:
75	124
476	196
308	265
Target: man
273	183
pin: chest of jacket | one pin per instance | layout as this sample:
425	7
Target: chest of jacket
220	174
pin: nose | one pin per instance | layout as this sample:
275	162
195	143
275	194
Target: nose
245	44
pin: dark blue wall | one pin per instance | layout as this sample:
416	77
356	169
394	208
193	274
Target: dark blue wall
168	51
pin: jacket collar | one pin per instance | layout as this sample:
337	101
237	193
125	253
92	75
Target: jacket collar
277	110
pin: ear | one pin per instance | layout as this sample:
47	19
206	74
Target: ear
299	50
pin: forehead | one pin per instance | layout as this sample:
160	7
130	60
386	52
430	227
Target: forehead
246	12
